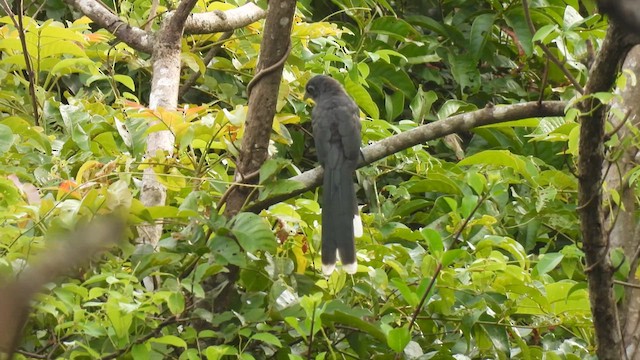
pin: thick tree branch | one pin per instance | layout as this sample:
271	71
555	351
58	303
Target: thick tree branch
220	21
590	163
179	17
139	39
106	19
458	123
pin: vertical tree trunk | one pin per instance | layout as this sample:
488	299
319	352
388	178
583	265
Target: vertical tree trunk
623	219
596	247
263	98
164	94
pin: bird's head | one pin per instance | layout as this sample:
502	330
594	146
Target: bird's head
322	85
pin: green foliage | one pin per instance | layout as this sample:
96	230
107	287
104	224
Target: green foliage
472	253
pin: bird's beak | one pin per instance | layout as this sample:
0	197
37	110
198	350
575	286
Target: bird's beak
306	96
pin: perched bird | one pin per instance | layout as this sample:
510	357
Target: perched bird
336	131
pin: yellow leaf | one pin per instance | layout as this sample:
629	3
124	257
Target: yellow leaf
86	166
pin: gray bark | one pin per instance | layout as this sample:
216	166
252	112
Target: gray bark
623	218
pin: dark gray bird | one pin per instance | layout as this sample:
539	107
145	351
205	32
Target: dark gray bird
336	131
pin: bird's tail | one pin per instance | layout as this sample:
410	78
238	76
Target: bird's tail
338	204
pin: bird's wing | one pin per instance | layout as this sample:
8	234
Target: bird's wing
349	129
321	134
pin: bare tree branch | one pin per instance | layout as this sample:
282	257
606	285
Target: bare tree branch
139	39
458	123
221	21
105	18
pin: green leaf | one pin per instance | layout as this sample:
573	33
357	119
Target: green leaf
477	182
398	338
438	183
271	168
267	338
450	256
452	107
125	80
465	71
498	336
508	244
175	301
516	20
218	352
297	326
253	233
394	105
383	74
75	118
421	104
119	320
169	340
140	352
392	26
433	238
356	322
546	33
362	97
279	187
499	158
385	54
159	212
6	138
226	251
480	32
439	27
407	294
75	65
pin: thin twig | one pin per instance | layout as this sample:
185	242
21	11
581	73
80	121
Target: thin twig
618	127
414	316
545	78
626	284
468	218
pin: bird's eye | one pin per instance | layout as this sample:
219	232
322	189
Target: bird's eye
311	89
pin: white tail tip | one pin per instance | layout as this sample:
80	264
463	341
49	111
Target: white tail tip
350	268
357	226
327	269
